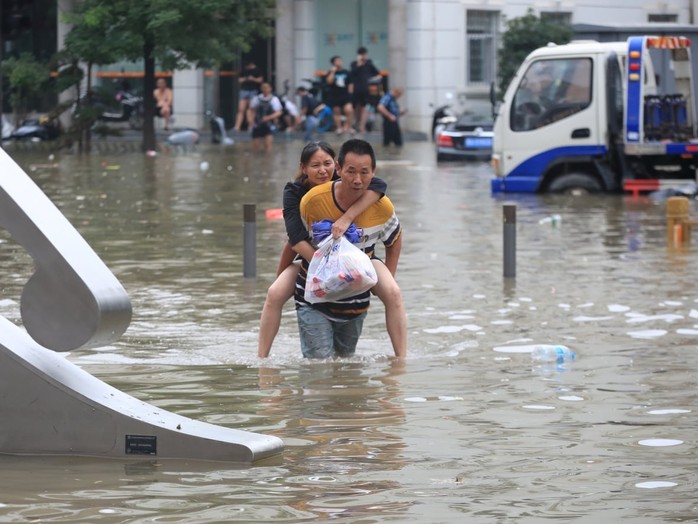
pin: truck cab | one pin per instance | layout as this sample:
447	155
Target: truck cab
589	116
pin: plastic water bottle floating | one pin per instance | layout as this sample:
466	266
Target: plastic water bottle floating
552	219
552	353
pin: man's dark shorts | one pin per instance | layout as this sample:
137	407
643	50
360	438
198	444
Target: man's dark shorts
339	101
262	130
360	99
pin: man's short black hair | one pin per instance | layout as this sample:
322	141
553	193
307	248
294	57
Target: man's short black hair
362	51
335	57
358	147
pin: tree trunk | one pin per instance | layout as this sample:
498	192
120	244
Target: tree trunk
216	102
149	143
88	129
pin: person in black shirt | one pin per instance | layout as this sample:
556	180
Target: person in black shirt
339	88
250	81
363	72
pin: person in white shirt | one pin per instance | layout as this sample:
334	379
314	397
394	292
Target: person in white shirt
264	109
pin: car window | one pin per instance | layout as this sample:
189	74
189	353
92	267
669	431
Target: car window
551	90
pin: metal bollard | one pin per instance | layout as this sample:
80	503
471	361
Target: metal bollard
509	240
249	241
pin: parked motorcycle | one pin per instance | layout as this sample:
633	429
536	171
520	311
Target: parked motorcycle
36	129
317	87
128	107
130	110
218	133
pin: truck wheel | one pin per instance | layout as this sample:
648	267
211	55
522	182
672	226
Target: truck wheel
575	184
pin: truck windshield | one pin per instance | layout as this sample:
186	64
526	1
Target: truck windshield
551	90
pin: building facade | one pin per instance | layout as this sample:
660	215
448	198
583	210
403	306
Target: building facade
439	51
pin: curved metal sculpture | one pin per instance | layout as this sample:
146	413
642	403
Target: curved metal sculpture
49	405
72	300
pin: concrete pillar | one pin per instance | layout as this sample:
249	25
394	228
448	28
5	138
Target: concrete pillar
397	44
188	94
304	38
64	6
434	58
284	44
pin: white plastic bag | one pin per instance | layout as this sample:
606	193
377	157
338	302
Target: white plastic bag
338	270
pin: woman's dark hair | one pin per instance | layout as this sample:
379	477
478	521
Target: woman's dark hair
308	151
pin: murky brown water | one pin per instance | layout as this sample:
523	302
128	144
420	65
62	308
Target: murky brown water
465	431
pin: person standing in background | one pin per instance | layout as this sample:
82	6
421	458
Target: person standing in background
264	109
339	90
363	72
250	82
390	109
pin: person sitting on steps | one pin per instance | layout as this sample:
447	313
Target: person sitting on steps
163	101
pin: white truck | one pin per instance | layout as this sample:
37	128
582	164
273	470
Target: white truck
590	117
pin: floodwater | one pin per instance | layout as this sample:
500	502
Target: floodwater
466	430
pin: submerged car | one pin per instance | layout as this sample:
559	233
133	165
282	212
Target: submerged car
470	136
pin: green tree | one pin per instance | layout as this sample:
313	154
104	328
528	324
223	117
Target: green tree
90	43
26	78
173	33
523	35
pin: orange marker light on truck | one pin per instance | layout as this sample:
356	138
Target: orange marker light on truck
495	165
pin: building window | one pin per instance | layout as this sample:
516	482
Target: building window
662	19
556	17
481	46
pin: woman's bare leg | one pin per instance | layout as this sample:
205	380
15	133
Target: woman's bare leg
395	317
349	118
337	115
278	294
240	117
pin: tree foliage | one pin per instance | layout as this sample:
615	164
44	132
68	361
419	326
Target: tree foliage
523	35
26	78
173	33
